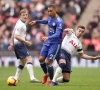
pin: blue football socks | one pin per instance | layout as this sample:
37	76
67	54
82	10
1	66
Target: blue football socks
44	67
51	72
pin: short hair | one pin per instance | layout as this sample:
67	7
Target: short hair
23	11
52	5
81	27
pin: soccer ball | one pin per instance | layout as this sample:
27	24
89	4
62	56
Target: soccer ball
12	81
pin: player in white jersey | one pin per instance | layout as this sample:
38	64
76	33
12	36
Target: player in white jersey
19	43
70	45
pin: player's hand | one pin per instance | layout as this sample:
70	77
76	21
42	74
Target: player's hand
10	47
28	43
69	30
96	57
32	22
44	39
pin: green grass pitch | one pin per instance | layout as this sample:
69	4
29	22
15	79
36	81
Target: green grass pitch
81	79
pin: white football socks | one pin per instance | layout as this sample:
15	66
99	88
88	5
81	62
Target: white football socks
30	70
57	72
60	79
18	72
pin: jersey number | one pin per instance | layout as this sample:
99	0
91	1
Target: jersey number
73	43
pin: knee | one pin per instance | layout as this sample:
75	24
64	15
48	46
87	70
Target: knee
29	59
48	62
22	63
62	65
66	80
64	68
21	67
41	59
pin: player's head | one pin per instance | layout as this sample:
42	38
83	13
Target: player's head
24	15
52	11
80	31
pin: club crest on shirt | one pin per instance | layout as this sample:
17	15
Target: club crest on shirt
53	24
60	25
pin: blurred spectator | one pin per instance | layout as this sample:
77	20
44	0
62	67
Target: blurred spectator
92	36
96	39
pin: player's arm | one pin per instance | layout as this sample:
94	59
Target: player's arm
12	37
18	37
69	30
87	57
59	29
10	47
39	21
42	21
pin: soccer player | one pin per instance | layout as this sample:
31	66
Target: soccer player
70	45
52	43
19	43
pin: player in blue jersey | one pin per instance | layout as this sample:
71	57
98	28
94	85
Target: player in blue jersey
52	43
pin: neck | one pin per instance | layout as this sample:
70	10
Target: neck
22	20
54	16
77	36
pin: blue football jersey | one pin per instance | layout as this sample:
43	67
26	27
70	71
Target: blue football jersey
55	29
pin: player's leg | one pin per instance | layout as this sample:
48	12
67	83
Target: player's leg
22	62
42	57
64	67
29	66
20	68
65	72
61	61
30	69
24	52
43	64
64	78
50	70
58	71
53	51
44	68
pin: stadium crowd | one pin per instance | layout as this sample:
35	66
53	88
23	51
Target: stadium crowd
91	38
69	10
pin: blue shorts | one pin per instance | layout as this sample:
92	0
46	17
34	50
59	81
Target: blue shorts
67	57
50	51
21	51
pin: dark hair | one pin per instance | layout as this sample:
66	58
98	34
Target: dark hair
81	27
52	5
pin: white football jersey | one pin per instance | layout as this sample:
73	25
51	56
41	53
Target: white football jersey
72	44
20	29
